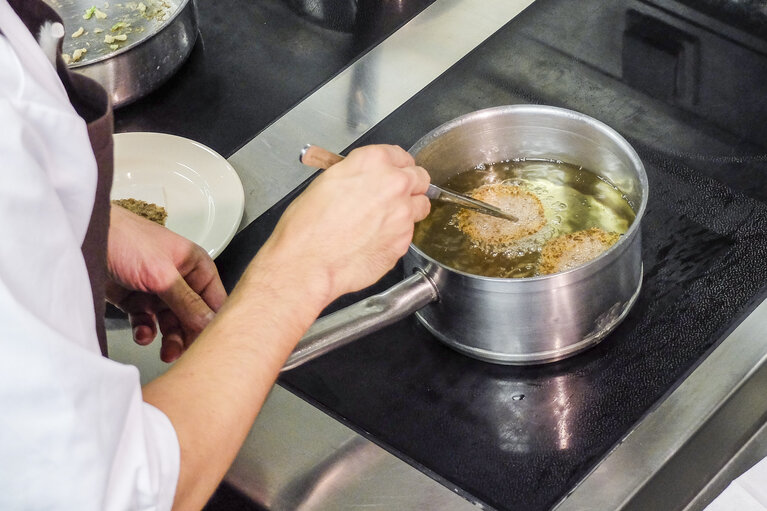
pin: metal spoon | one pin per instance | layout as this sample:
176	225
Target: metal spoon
315	156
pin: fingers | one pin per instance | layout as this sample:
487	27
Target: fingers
145	313
421	206
173	336
356	219
141	308
400	162
393	154
206	281
398	157
214	294
148	282
419	179
143	326
191	310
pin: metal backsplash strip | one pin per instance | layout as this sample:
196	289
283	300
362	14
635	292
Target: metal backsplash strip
363	94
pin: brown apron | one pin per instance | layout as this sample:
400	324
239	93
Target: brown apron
92	103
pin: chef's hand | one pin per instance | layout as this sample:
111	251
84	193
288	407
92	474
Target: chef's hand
160	278
354	221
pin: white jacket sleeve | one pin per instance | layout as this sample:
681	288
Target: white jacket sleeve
74	430
746	493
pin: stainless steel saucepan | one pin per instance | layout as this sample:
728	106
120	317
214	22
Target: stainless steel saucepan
507	320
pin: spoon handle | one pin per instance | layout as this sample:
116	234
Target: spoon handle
316	156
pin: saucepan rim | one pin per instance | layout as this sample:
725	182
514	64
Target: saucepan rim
586	268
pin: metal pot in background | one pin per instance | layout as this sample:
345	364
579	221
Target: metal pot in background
368	20
155	48
338	15
509	321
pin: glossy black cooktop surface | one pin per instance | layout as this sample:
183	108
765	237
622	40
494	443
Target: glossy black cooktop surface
521	437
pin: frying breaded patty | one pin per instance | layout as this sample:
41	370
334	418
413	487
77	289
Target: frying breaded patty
489	231
571	250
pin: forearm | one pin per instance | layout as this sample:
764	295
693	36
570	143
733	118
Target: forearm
213	393
342	234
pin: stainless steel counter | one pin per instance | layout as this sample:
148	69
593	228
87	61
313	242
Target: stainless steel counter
297	457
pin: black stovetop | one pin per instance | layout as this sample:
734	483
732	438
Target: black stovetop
521	437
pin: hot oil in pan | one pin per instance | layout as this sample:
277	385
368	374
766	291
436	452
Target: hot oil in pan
573	200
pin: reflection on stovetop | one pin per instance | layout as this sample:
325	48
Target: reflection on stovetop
747	15
522	437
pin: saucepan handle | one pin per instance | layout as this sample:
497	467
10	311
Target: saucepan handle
364	317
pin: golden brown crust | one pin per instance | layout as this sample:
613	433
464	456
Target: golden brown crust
148	210
571	250
489	231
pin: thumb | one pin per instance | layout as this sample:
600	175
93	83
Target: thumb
191	310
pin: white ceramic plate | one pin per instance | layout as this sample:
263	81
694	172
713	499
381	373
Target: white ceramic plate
199	189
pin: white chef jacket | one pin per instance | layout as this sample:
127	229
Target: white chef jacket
746	493
74	430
